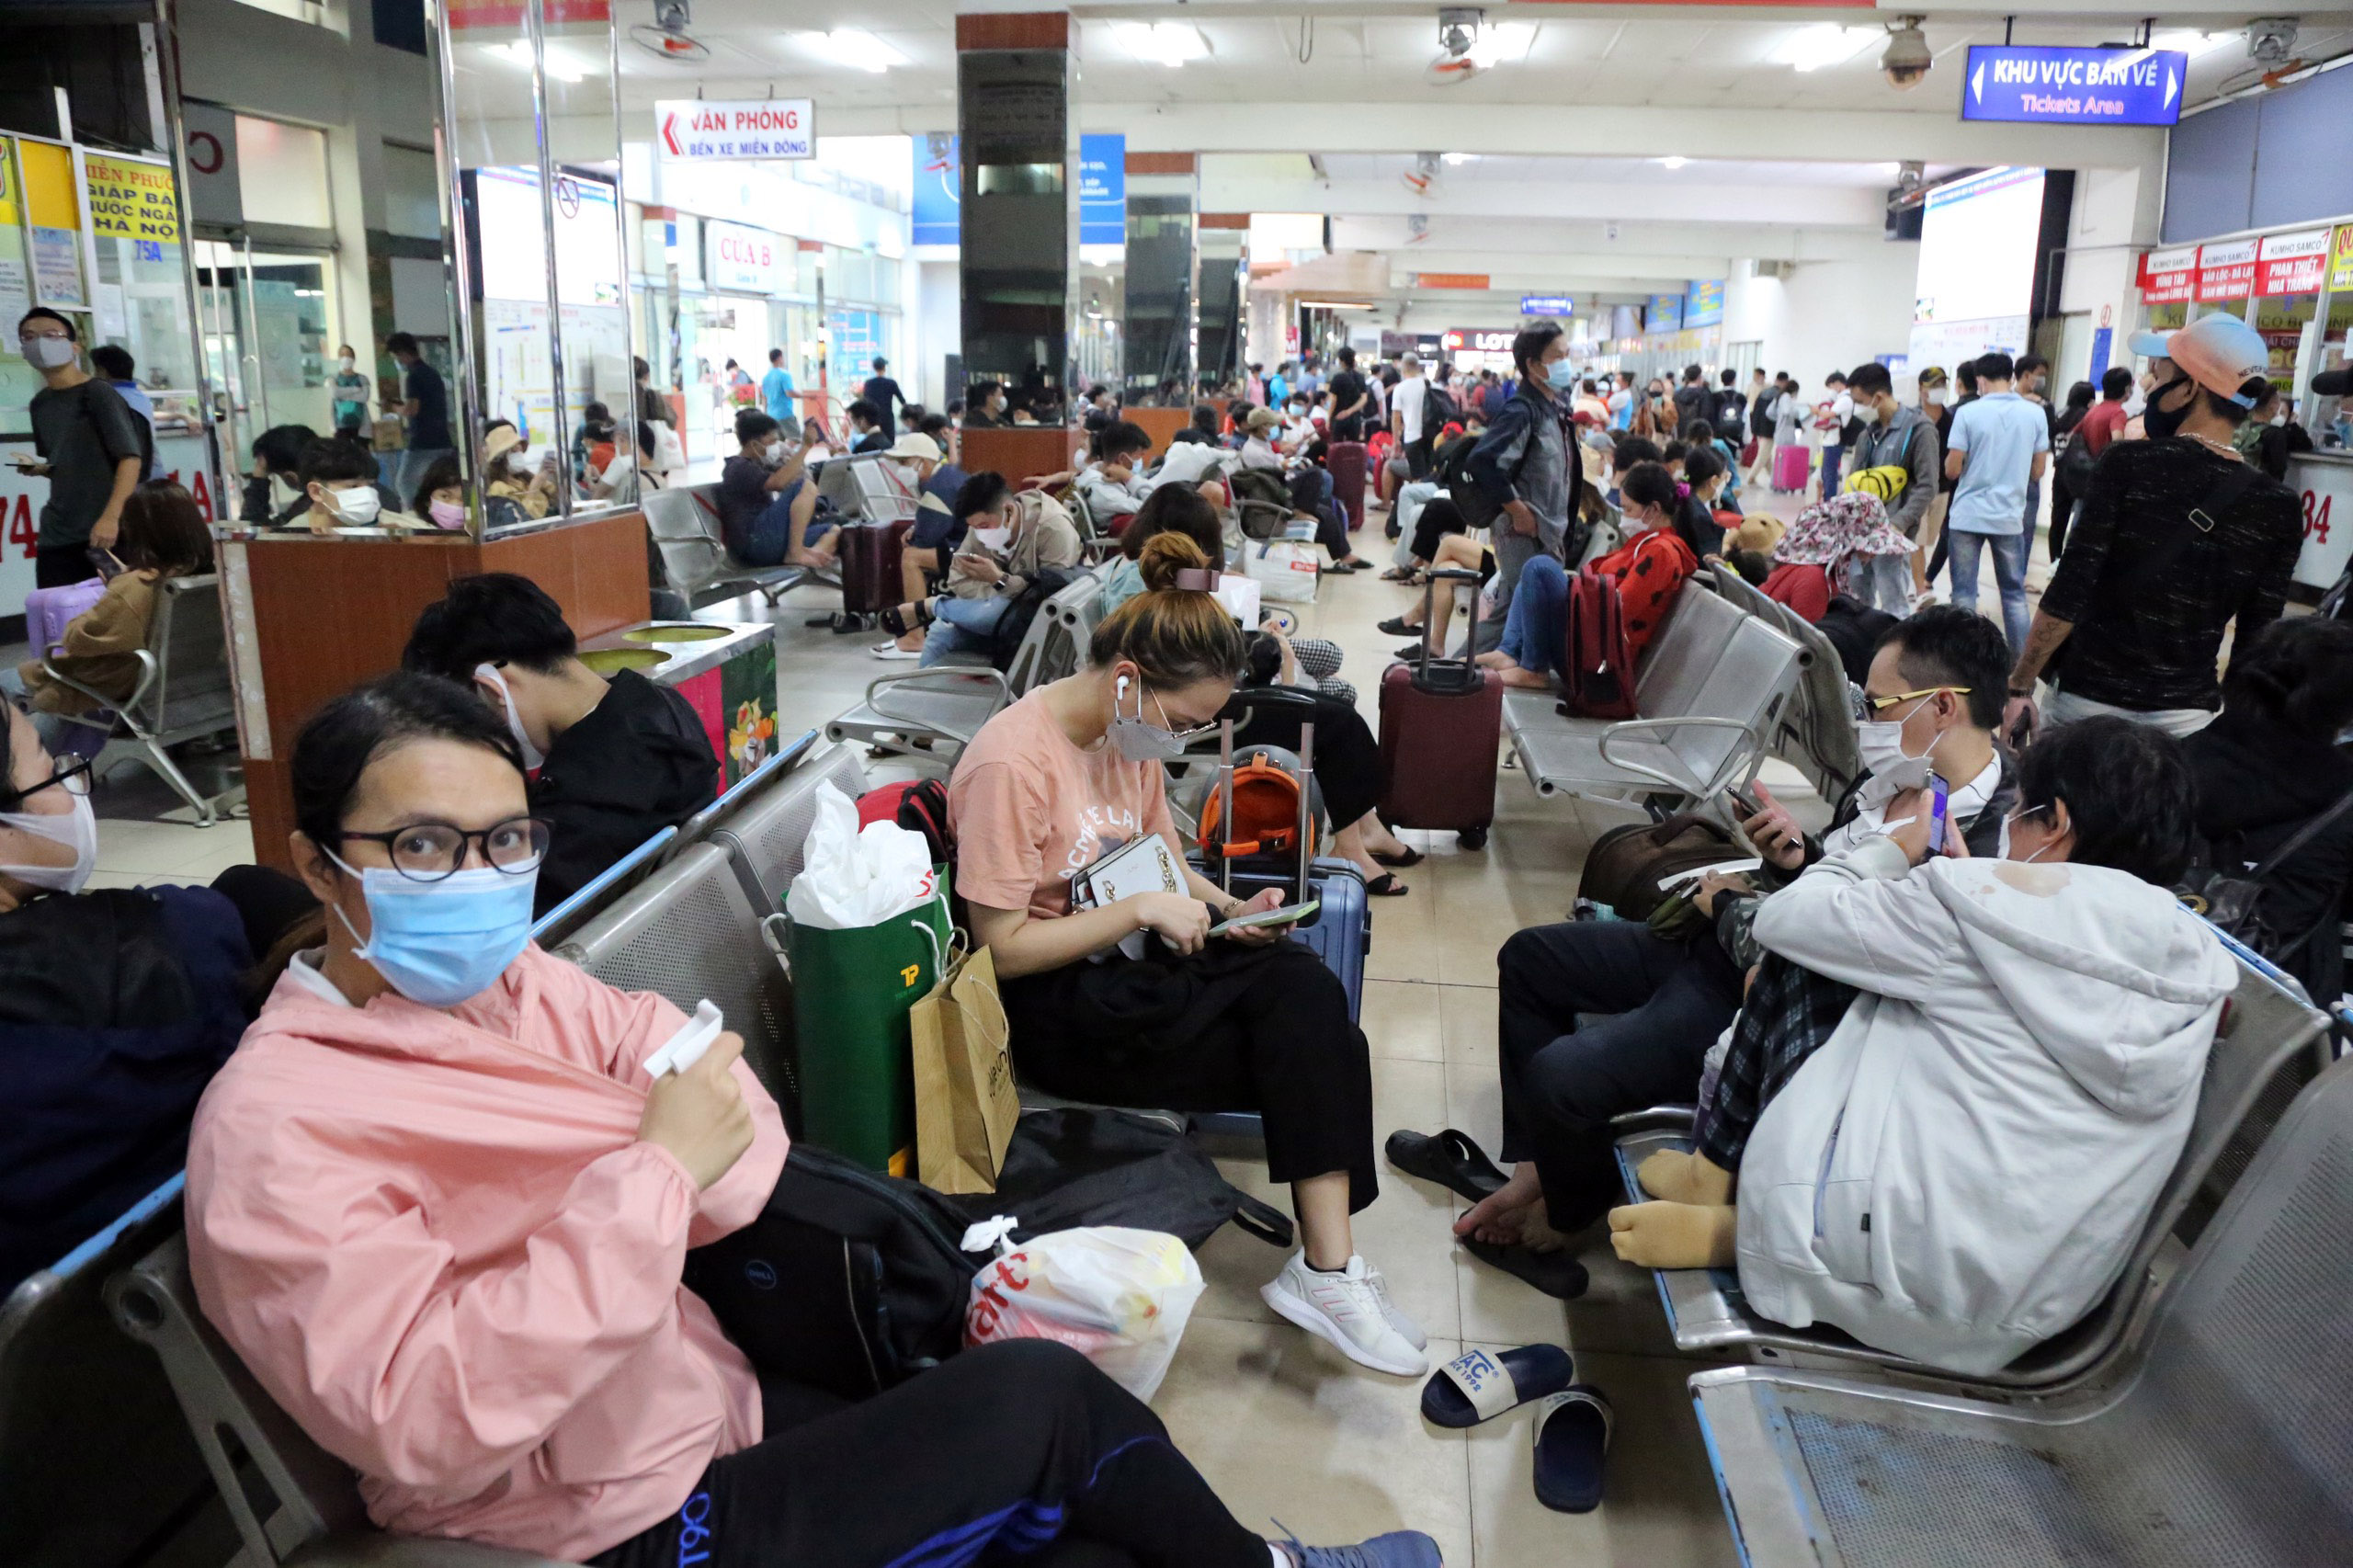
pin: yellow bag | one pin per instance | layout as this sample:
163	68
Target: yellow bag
1887	481
966	1103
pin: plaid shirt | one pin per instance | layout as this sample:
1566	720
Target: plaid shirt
1788	1016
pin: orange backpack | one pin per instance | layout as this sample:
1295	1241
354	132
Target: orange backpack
1266	812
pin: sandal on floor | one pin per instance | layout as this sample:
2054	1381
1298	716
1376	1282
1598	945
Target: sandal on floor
1555	1273
1476	1387
1450	1158
1398	575
1571	1439
1396	627
1410	857
1386	885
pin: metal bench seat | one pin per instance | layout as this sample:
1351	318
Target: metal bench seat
943	706
683	524
184	691
1817	732
1709	691
2272	1045
2226	1443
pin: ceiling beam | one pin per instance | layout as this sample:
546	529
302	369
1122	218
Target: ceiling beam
1668	197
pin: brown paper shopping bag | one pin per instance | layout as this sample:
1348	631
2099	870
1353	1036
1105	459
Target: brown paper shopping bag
965	1100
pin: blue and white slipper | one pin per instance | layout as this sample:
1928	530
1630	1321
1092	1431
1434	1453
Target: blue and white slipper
1571	1439
1476	1387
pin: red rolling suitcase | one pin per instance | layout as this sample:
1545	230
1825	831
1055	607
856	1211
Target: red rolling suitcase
1441	722
1347	462
1792	461
870	561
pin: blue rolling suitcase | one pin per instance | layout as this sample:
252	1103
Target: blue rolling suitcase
1340	931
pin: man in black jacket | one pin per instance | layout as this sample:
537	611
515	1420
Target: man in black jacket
616	761
1692	402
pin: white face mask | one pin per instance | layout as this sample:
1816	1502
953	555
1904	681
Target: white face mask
76	829
346	364
1880	744
1934	397
532	755
359	506
1866	412
2002	847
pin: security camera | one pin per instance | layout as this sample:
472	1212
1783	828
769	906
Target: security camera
1907	58
1457	28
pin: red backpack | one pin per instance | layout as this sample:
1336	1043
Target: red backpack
1597	662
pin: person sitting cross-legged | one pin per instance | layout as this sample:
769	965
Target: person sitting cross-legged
1951	1128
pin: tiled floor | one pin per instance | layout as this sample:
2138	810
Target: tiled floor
1284	1426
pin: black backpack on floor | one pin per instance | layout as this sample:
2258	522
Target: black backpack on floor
853	1282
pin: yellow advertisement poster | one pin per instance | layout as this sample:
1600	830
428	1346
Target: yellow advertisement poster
131	199
8	180
2340	259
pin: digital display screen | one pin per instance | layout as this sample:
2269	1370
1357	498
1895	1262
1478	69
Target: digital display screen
1977	242
512	254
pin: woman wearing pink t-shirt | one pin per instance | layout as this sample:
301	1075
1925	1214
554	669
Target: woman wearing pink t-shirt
1254	1021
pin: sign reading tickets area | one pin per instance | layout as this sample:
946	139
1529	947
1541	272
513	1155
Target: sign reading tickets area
701	131
2044	85
131	199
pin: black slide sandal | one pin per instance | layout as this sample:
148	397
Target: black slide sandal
1410	857
1555	1273
1386	885
1449	1158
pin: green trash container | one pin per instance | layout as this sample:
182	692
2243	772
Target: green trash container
851	994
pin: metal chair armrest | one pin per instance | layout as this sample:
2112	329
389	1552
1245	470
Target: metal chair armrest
875	688
1696	788
149	669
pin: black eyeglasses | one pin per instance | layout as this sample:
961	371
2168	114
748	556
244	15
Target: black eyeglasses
73	779
428	851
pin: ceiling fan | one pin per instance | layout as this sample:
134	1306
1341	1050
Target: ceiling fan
667	39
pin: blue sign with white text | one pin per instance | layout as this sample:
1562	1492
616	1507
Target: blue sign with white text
938	216
1103	189
2073	86
1548	305
1703	301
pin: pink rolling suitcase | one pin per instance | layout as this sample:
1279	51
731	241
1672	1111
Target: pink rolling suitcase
1792	461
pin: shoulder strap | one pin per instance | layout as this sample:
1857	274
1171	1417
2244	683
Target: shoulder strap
2302	836
2221	497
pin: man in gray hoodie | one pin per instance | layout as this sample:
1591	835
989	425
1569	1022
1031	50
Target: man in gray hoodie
1894	435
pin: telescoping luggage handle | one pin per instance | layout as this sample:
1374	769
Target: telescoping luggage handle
1305	705
1453	674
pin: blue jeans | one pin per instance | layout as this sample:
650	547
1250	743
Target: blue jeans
768	540
1830	460
961	626
1536	628
1887	581
2009	576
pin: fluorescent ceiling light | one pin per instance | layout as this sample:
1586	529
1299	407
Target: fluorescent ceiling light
1676	162
1810	49
1501	41
1459	157
1161	43
2191	42
519	53
852	47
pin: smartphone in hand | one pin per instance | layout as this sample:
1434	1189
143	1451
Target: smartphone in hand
1282	914
1939	793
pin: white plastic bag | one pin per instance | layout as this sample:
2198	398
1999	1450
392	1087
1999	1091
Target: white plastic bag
1119	1296
1286	573
848	878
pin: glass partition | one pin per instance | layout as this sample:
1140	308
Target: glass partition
1160	265
533	137
1225	279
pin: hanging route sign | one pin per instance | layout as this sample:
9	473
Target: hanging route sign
2073	86
697	130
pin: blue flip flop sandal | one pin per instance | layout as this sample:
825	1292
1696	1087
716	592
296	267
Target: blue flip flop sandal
1476	1386
1571	1439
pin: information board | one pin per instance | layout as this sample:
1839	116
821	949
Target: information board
2047	86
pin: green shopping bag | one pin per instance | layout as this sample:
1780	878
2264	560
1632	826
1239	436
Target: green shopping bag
852	991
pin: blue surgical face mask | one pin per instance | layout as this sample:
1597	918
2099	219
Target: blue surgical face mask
1560	375
440	943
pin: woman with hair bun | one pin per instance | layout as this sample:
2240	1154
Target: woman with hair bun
1133	1003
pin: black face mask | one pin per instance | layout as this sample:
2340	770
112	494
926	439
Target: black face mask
2159	423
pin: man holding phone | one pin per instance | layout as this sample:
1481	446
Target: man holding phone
93	450
1932	700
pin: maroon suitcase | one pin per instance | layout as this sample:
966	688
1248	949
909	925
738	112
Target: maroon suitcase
1346	463
1442	721
870	563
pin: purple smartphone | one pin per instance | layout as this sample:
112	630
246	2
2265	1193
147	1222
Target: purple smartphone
1938	793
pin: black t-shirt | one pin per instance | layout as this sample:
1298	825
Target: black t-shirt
83	433
422	385
1347	387
2149	592
744	494
638	763
1760	411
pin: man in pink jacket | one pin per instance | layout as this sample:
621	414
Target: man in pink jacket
442	1210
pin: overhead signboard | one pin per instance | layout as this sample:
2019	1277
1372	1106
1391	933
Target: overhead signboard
2340	260
2046	85
1449	280
2169	277
2290	264
2226	272
1703	301
744	259
1664	313
1548	305
709	131
130	199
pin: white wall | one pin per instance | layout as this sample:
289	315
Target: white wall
1826	314
936	327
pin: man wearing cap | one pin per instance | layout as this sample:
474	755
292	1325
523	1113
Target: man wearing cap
2176	538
